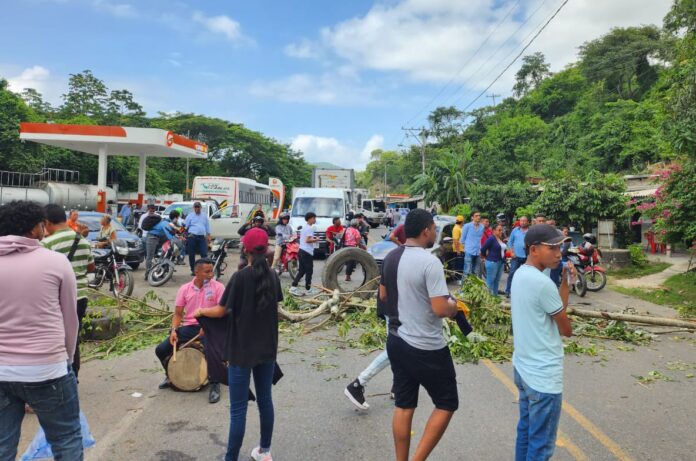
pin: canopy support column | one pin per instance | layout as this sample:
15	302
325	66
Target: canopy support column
141	180
101	180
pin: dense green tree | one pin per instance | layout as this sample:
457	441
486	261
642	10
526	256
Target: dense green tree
501	198
445	180
619	59
534	69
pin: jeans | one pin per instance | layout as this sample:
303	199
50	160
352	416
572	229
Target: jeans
378	364
152	242
515	263
196	243
239	400
538	425
494	270
306	269
471	264
55	403
458	265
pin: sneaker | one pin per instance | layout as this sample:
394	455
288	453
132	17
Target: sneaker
297	291
256	455
313	291
356	394
214	395
165	384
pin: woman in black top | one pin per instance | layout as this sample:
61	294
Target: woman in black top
250	301
494	252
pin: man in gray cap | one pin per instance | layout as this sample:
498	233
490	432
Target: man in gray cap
538	320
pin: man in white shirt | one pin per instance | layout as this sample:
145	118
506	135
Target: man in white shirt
306	257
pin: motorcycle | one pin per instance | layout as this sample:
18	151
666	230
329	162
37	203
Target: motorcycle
580	285
111	267
591	258
289	257
219	253
164	265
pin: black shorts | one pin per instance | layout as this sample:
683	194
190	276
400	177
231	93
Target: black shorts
412	367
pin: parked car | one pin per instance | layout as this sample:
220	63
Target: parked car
136	249
442	248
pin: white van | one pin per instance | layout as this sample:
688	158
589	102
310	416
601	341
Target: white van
326	203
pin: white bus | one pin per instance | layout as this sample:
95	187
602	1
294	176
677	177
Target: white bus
239	198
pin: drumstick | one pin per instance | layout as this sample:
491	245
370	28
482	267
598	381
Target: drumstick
190	341
174	355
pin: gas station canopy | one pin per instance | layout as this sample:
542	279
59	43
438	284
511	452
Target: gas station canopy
114	140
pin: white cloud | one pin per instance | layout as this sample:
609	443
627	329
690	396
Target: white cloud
121	10
304	49
431	40
38	78
220	25
341	87
329	149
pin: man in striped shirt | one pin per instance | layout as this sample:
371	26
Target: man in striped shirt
60	238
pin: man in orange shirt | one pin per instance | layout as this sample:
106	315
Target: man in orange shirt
457	246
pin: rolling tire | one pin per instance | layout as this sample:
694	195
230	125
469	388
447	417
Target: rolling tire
337	260
160	274
123	285
293	267
595	280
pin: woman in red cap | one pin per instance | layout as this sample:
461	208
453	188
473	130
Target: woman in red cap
251	303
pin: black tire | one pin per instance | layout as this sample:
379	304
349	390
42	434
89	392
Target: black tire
338	259
123	283
160	274
134	266
580	286
595	280
374	225
293	267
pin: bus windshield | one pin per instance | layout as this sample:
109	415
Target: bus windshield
324	207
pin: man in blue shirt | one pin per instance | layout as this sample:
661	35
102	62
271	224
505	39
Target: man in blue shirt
539	319
516	245
471	239
155	237
198	229
125	214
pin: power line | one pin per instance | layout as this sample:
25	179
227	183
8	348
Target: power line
466	63
518	55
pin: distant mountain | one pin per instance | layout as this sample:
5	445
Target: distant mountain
326	165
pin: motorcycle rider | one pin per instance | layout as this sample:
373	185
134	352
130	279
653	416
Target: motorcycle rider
336	229
258	220
283	231
155	238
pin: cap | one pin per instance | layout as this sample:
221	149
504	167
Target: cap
196	204
258	218
255	241
544	234
459	218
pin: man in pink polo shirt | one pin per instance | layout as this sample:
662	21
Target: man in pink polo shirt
202	291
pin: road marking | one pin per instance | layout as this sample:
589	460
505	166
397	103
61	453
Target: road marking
596	432
563	440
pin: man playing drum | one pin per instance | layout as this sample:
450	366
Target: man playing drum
201	292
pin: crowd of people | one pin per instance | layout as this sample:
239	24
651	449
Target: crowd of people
44	262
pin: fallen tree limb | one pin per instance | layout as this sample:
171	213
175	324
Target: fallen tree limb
324	307
631	318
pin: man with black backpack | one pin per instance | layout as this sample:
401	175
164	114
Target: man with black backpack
61	238
148	220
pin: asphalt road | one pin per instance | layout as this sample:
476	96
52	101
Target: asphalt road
608	414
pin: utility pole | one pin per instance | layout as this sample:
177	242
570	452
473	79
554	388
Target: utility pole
384	193
493	96
420	135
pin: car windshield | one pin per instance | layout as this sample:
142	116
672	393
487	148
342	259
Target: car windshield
93	224
186	207
324	207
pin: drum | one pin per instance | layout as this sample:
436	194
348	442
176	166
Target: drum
189	372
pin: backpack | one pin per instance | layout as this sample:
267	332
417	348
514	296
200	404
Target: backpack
151	221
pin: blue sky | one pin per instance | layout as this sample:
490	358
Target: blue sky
335	79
